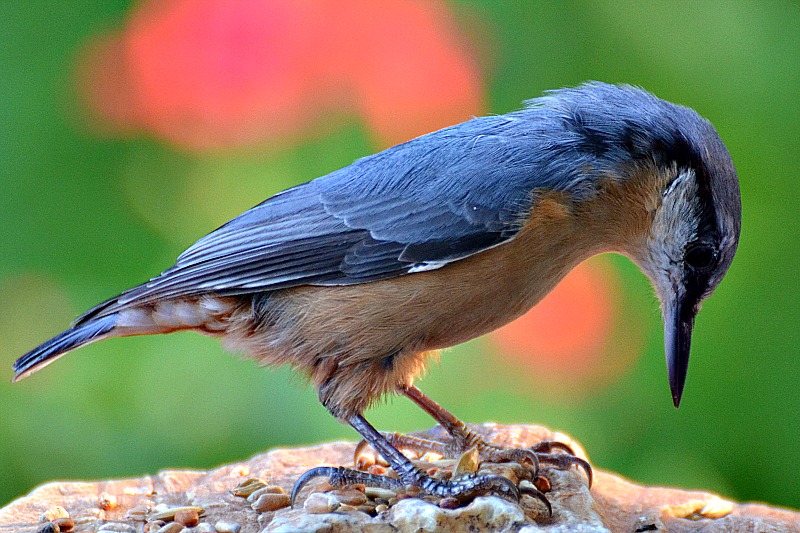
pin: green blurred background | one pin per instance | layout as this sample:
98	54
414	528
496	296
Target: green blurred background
87	210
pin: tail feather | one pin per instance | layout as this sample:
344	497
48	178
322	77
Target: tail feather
107	307
79	335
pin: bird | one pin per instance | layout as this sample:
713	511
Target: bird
356	278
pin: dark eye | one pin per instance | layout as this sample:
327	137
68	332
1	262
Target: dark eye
700	256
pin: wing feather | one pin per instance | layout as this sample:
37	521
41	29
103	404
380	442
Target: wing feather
414	207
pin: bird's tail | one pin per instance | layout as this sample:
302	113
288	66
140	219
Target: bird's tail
79	335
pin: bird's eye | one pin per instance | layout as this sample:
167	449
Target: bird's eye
700	256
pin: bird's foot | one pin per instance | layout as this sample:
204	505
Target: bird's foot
454	491
452	487
553	453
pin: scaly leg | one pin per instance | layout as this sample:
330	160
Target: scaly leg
463	488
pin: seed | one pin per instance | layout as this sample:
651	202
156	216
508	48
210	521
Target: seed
138	513
187	517
542	483
228	527
377	492
468	462
256	494
248	487
172	527
269	489
169	514
107	501
320	503
270	502
53	513
65	524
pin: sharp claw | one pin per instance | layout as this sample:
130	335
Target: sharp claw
506	488
302	481
587	468
565	461
547	446
539	495
531	456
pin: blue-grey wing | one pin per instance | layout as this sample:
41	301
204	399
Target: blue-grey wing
415	207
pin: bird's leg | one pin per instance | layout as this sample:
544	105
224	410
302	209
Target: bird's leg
405	442
463	488
464	439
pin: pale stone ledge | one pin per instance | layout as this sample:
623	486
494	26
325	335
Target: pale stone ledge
613	504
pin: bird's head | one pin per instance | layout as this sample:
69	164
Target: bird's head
691	244
678	211
695	227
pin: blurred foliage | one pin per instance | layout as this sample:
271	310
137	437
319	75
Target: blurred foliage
85	216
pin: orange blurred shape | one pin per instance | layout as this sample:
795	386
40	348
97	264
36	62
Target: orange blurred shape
206	74
414	71
566	334
221	73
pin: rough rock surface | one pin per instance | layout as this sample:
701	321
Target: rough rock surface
613	504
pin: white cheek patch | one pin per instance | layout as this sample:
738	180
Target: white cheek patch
675	224
677	221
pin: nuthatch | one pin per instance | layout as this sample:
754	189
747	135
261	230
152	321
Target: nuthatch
356	277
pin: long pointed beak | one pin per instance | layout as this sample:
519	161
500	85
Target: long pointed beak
678	323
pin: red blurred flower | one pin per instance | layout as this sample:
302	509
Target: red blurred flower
210	74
